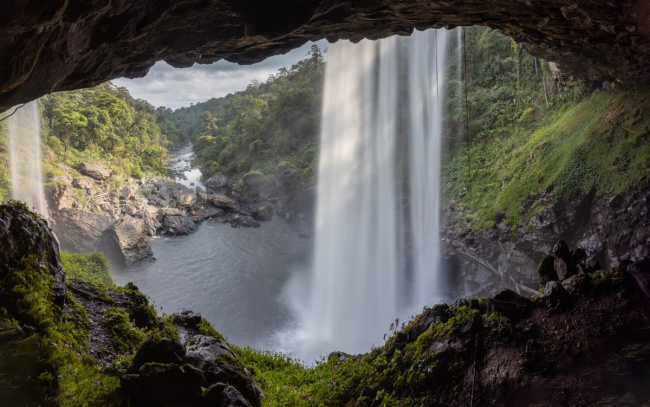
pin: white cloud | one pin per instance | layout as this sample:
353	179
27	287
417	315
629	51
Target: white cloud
172	87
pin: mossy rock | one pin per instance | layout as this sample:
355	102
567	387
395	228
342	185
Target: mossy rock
546	270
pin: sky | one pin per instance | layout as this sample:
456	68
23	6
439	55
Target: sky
174	87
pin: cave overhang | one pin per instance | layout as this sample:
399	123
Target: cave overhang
49	46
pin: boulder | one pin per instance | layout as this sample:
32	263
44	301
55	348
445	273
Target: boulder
168	385
24	234
83	183
130	210
220	201
546	270
202	350
263	213
62	197
254	188
187	199
127	192
201	196
178	225
162	212
561	269
175	190
95	170
158	349
217	182
510	304
79	231
149	215
555	295
128	237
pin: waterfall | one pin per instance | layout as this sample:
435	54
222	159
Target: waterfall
377	224
427	63
24	143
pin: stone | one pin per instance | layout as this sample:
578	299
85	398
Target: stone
61	197
158	349
163	212
127	192
202	350
95	170
130	210
555	296
546	270
149	215
220	201
83	183
201	196
253	188
231	397
263	213
187	200
79	231
128	239
23	235
561	269
510	304
577	284
62	178
178	225
176	190
217	182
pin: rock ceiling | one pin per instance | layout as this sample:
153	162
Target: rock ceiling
52	45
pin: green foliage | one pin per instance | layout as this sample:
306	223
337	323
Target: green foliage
597	144
269	122
124	329
106	124
92	268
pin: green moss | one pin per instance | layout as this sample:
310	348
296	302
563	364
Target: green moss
92	268
595	145
124	330
205	328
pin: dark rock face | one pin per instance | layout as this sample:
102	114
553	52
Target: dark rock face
217	182
127	236
178	225
188	364
79	231
52	46
606	231
61	196
254	188
23	234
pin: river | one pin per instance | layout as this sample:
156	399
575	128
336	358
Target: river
233	277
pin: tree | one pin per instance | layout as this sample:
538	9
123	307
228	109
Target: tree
68	123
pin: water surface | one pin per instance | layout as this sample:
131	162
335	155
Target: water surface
233	277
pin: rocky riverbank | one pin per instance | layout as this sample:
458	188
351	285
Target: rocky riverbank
87	212
612	229
582	341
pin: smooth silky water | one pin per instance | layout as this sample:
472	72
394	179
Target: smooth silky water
24	144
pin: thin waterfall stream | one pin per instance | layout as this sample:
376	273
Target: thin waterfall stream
24	144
